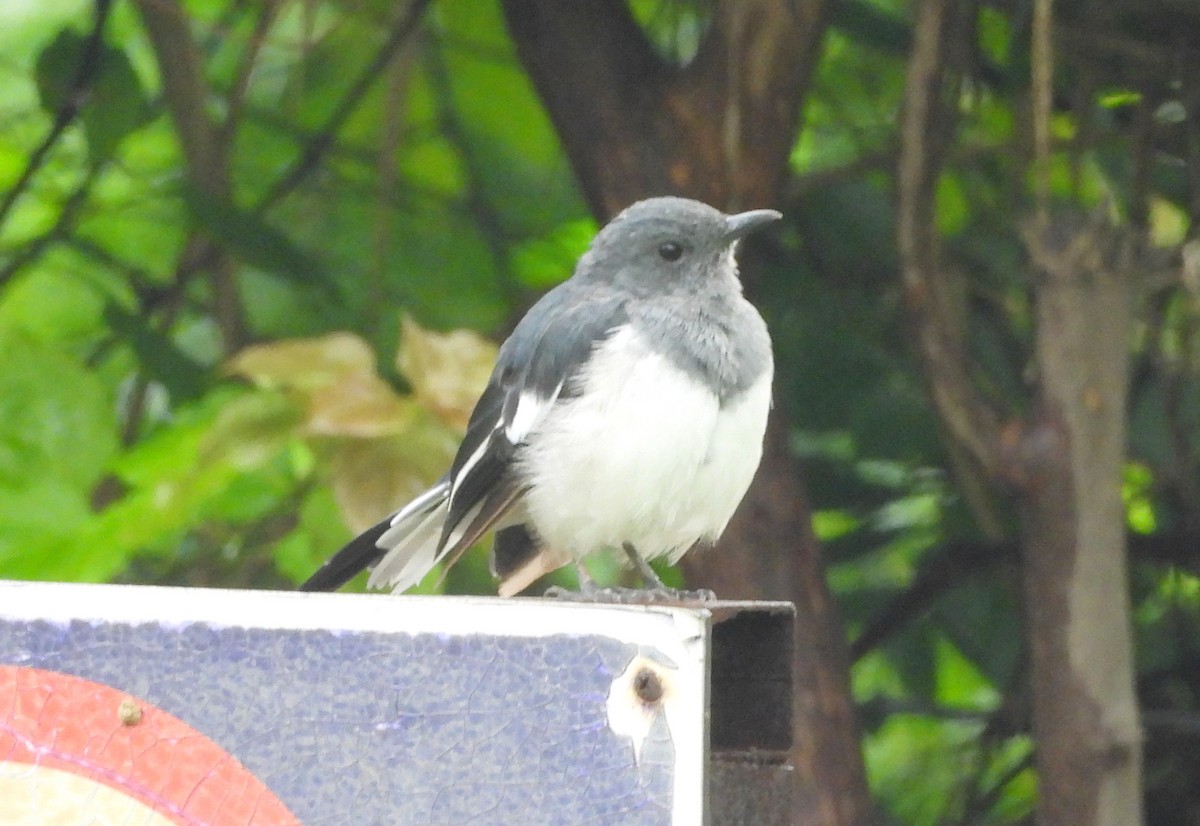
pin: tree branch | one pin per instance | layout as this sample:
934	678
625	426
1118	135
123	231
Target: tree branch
1073	523
186	95
1042	81
73	101
320	142
205	146
633	124
952	564
245	68
30	251
934	293
602	84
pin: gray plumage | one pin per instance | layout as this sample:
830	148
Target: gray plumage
603	382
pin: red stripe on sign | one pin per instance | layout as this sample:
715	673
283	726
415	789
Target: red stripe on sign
64	722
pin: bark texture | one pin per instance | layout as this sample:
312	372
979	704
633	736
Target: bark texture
1065	460
1076	580
718	129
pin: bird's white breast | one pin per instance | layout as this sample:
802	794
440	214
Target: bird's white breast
645	454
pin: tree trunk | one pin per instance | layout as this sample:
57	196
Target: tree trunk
1066	461
719	129
1076	582
770	552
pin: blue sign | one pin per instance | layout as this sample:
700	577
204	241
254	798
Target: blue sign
241	707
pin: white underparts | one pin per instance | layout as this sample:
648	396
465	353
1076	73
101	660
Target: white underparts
644	453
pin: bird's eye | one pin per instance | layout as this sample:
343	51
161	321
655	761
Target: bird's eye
670	251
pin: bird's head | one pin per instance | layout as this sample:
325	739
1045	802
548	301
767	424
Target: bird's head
669	243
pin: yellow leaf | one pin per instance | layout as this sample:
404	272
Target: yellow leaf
373	477
248	431
336	376
448	371
363	406
305	363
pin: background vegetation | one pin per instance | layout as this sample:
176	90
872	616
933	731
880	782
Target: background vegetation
253	254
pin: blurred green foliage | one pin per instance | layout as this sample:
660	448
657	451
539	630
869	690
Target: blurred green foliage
139	442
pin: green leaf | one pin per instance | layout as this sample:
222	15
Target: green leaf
114	101
158	355
953	209
254	241
249	431
433	165
675	29
440	265
869	25
512	151
58	66
255	495
183	476
317	537
51	306
173	447
57	420
829	525
37	521
544	262
978	619
995	34
920	767
959	682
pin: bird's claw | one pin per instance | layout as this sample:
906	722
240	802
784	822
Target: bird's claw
633	596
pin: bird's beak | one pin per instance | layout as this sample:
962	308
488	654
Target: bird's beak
744	223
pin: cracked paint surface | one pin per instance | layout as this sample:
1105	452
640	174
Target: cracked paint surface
366	727
70	756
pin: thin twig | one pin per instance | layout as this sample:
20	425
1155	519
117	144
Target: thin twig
32	250
323	138
245	69
485	215
387	177
205	147
934	292
73	100
956	562
1042	80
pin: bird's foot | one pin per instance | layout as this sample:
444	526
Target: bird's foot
633	596
656	591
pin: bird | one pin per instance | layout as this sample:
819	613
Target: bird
625	414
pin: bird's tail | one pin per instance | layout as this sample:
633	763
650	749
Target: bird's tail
409	545
401	548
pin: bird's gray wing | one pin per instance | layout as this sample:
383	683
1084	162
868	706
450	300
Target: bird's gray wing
536	367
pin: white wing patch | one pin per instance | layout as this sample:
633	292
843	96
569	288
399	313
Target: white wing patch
425	500
531	409
472	461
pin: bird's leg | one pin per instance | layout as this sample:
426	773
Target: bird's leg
649	578
588	591
656	591
587	585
